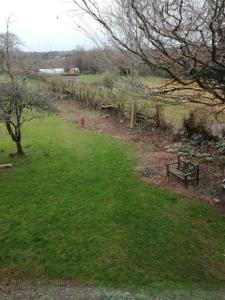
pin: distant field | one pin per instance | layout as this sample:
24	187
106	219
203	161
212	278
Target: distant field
91	77
31	83
149	79
97	77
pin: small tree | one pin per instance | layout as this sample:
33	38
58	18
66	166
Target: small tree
18	102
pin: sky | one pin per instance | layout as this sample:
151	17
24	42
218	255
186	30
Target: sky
43	25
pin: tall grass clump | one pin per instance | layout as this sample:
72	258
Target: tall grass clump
198	123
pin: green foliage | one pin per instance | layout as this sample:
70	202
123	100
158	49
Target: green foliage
188	150
221	150
222	161
109	80
207	159
75	209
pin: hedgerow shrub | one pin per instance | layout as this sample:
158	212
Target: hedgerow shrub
199	124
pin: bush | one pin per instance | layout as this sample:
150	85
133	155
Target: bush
197	125
222	161
207	159
109	80
221	151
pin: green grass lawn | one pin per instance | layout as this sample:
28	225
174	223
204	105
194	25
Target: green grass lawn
91	77
74	209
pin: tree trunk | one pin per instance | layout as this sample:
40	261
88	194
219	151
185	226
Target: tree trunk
19	149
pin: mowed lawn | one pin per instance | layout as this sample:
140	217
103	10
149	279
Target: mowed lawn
74	209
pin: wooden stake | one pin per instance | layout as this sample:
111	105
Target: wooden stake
133	116
82	122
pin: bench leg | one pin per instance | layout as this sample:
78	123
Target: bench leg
167	171
197	181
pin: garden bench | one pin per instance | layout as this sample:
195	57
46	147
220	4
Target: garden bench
184	169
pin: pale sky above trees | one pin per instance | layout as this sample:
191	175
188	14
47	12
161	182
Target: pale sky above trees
43	25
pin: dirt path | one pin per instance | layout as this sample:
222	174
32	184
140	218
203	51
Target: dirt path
69	291
152	157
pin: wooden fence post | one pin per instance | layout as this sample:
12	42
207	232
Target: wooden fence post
133	116
159	115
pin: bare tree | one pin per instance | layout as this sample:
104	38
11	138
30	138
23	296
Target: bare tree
184	39
18	102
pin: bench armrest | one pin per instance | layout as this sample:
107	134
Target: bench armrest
173	163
